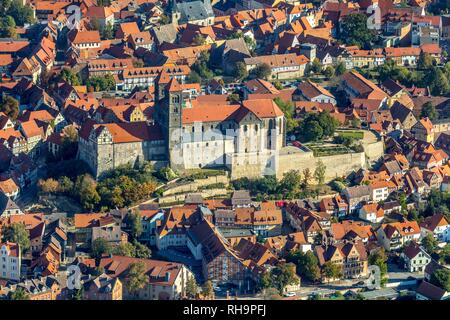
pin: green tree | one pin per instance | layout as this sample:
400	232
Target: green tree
208	290
20	13
70	77
306	177
101	83
141	250
194	77
288	109
340	69
124	249
17	233
354	31
429	110
135	222
69	143
136	277
262	71
65	185
425	61
283	275
429	243
240	71
331	270
438	82
316	66
444	255
86	190
379	259
20	294
328	72
199	40
108	31
319	172
312	131
191	287
307	264
441	278
7	27
290	183
100	247
10	107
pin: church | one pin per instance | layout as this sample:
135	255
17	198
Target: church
187	134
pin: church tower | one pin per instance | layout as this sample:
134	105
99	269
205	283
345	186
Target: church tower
169	105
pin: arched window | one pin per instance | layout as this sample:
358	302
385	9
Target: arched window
245	128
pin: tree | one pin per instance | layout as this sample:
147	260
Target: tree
319	172
86	190
124	249
20	294
340	69
316	66
429	110
290	183
288	109
199	40
331	270
65	185
141	250
379	259
100	247
429	243
262	71
425	61
70	77
444	255
307	264
20	13
191	287
48	186
201	66
441	278
69	143
194	77
7	27
312	131
17	233
234	98
240	71
208	290
101	83
283	275
136	278
328	72
306	177
354	31
438	82
108	31
135	222
10	107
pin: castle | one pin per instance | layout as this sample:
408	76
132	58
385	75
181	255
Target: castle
188	134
